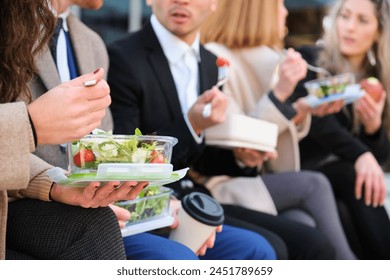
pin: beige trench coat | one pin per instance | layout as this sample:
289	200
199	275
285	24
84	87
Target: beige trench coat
21	173
252	73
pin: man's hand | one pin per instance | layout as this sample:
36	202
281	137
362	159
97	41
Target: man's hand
209	242
175	205
122	214
218	101
253	158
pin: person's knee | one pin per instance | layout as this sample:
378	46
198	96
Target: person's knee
102	217
318	184
146	246
176	251
258	248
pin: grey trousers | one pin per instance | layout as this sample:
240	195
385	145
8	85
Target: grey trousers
311	192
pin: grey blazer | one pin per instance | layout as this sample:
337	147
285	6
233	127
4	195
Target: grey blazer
90	53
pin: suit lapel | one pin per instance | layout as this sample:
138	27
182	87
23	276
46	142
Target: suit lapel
47	69
207	70
81	46
159	64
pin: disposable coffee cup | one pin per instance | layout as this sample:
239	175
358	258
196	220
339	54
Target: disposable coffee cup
198	218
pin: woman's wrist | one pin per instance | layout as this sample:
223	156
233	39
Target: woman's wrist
279	95
372	128
53	193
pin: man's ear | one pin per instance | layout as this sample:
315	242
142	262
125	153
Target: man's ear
148	3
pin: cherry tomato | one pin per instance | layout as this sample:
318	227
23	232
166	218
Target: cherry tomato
87	156
157	157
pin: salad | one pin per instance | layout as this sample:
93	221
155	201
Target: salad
322	88
94	149
151	202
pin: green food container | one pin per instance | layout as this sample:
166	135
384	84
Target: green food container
152	203
88	153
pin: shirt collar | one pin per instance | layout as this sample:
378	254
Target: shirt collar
173	47
63	15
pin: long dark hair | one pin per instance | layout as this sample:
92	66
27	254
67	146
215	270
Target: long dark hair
25	28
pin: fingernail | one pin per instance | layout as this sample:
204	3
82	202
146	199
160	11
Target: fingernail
96	71
90	83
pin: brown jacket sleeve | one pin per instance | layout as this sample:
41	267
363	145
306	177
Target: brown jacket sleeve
16	144
39	184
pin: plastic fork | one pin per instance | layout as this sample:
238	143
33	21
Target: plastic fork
310	67
222	79
318	70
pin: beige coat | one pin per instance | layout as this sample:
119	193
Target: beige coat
252	73
21	173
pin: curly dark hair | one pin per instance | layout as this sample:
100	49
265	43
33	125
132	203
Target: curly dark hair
25	28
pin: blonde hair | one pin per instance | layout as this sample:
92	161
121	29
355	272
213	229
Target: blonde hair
243	23
331	58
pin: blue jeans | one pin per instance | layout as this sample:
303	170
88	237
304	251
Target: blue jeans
231	244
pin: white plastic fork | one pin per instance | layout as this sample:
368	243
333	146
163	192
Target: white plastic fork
222	79
310	67
318	70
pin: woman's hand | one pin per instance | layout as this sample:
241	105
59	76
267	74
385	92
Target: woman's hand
253	158
327	108
369	112
71	110
96	195
291	70
370	174
303	109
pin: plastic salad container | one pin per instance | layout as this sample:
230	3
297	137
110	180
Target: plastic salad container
121	155
150	210
325	87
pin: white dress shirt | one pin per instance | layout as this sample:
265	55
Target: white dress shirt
61	50
183	61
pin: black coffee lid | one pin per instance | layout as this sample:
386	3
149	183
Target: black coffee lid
203	208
